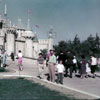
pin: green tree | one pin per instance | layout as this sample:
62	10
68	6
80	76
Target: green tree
44	52
76	45
87	47
97	45
61	47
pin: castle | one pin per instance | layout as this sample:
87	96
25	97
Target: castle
15	38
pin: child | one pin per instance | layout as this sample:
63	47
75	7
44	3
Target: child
41	66
60	70
88	70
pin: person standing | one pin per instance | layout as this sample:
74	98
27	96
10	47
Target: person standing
83	63
12	56
20	60
51	68
74	64
60	70
88	70
40	66
93	62
47	57
69	63
4	59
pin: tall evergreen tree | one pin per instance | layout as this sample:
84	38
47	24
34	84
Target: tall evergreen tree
76	45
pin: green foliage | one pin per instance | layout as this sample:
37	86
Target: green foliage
87	47
61	47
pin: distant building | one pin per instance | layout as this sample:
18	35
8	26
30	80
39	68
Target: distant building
15	38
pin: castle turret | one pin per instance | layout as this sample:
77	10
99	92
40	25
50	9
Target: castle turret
50	40
11	40
29	36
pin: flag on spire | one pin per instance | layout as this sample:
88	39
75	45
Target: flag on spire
29	11
36	26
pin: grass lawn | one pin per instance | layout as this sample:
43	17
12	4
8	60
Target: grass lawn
21	89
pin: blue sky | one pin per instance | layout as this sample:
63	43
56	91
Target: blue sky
68	17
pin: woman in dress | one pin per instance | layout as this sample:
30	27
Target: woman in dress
83	63
20	60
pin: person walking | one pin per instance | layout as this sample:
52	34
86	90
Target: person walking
69	63
88	70
20	60
51	66
60	70
83	63
75	64
93	62
40	66
12	56
4	59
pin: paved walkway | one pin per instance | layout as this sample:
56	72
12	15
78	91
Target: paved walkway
88	86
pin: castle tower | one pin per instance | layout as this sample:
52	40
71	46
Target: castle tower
11	40
29	36
50	40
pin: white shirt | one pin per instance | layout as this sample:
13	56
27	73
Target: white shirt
93	61
74	61
19	54
60	68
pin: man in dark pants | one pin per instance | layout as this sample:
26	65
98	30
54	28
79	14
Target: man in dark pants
69	63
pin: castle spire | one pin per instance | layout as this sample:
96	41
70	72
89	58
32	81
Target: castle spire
0	11
5	13
50	40
51	32
28	23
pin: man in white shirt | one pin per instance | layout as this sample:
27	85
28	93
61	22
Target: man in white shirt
93	61
74	64
60	70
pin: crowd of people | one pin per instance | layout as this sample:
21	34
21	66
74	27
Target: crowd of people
3	59
67	64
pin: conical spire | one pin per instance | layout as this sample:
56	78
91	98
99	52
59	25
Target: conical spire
51	32
28	25
28	21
